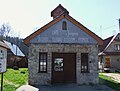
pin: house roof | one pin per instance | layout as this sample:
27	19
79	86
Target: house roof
112	53
68	17
14	48
2	44
107	43
112	39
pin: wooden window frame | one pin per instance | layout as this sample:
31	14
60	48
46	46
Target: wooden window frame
44	69
64	25
84	63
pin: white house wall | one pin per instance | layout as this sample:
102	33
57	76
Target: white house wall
115	62
3	59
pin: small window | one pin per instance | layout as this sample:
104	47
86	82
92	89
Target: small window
1	54
64	25
118	60
42	62
58	64
117	47
84	63
118	38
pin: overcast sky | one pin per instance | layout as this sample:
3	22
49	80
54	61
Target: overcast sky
25	16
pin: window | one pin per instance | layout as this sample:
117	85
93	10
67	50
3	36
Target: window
42	62
2	54
118	60
118	38
84	62
58	64
117	47
64	25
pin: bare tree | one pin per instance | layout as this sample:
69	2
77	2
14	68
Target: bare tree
5	28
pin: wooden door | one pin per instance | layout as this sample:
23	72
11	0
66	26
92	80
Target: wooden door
63	67
107	62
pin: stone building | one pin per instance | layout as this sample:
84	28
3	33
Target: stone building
63	51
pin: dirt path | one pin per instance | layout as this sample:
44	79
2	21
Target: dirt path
114	76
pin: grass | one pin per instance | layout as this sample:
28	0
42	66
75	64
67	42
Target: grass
14	79
109	82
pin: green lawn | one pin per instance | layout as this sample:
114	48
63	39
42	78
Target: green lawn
14	79
109	82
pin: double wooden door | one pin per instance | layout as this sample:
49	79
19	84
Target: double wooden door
63	67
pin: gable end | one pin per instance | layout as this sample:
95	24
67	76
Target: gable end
39	31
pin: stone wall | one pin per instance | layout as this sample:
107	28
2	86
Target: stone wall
45	78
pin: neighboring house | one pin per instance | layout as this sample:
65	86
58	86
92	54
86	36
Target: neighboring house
15	56
19	42
63	51
109	57
3	56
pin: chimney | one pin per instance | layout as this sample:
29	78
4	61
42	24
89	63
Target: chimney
59	10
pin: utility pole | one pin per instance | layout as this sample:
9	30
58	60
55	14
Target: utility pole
1	82
101	31
119	25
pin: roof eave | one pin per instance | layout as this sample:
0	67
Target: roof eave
27	39
100	41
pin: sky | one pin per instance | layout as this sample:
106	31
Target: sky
26	16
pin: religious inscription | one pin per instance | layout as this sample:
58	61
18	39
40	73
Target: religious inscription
72	34
69	39
56	39
60	36
83	40
63	40
55	32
